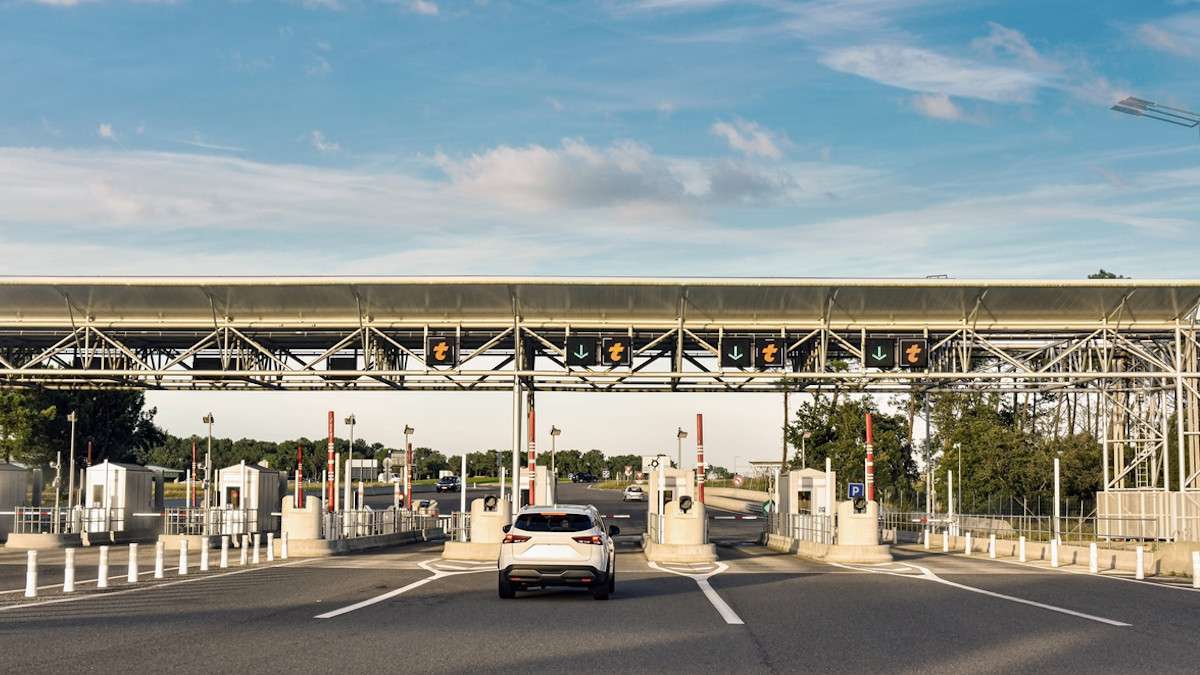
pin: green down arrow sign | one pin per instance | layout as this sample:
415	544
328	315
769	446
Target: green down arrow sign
881	353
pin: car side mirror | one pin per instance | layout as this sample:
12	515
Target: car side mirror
506	528
613	530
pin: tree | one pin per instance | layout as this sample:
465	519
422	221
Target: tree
114	421
1104	274
23	428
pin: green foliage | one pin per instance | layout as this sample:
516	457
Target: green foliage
34	426
839	431
1104	274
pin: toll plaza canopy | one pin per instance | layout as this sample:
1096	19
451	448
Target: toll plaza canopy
589	334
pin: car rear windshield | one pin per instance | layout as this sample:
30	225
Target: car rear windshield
553	522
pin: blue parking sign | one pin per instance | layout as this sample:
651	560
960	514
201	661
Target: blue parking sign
856	490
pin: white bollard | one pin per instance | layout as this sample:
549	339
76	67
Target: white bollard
254	559
224	551
283	552
131	573
102	569
967	544
1093	559
69	572
244	549
1054	553
1021	548
31	574
945	541
1195	569
1140	572
183	560
926	540
992	546
270	546
160	553
203	554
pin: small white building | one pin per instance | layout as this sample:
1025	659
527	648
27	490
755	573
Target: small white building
13	483
251	493
547	491
119	497
806	491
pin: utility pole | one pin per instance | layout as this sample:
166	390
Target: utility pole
208	419
72	418
555	432
680	434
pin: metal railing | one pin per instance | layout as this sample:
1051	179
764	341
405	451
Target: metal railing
1032	527
41	520
354	523
217	521
457	526
817	528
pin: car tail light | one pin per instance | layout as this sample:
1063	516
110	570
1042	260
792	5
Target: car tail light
589	539
511	538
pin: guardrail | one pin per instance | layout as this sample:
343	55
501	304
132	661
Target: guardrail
354	523
1032	527
40	520
457	526
816	528
218	521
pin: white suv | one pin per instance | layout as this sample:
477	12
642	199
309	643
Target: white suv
561	545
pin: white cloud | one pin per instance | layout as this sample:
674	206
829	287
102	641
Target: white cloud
63	3
627	176
937	106
319	67
926	71
106	132
749	138
322	144
334	5
555	103
665	109
1005	41
1178	35
425	7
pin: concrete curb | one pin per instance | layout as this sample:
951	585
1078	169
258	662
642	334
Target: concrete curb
324	548
678	553
467	550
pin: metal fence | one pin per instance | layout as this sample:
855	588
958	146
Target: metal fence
41	520
1032	527
816	528
457	526
353	523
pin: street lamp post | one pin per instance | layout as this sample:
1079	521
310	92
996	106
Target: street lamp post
555	432
804	449
72	418
680	434
408	469
208	419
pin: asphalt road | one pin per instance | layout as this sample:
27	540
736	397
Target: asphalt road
766	612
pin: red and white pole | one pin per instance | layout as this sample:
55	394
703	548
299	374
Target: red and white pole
870	473
329	469
700	468
532	460
299	503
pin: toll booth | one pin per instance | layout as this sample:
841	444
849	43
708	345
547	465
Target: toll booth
13	483
121	497
806	491
547	490
675	483
249	494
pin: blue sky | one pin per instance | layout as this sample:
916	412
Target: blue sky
651	137
681	137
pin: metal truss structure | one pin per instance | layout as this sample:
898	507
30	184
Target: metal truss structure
1115	357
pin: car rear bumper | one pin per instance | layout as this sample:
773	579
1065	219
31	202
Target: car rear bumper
526	574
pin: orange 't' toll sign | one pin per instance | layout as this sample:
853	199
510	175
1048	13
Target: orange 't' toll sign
615	352
770	353
439	351
914	354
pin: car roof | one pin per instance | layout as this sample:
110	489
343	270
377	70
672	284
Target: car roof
586	509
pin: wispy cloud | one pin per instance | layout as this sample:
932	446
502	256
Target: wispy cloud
1178	34
940	107
321	144
318	67
197	142
105	131
425	7
749	138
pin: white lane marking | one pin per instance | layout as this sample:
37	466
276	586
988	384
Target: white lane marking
927	575
701	580
134	589
1103	574
427	566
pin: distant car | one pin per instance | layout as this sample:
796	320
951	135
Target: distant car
584	477
634	493
560	545
449	484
